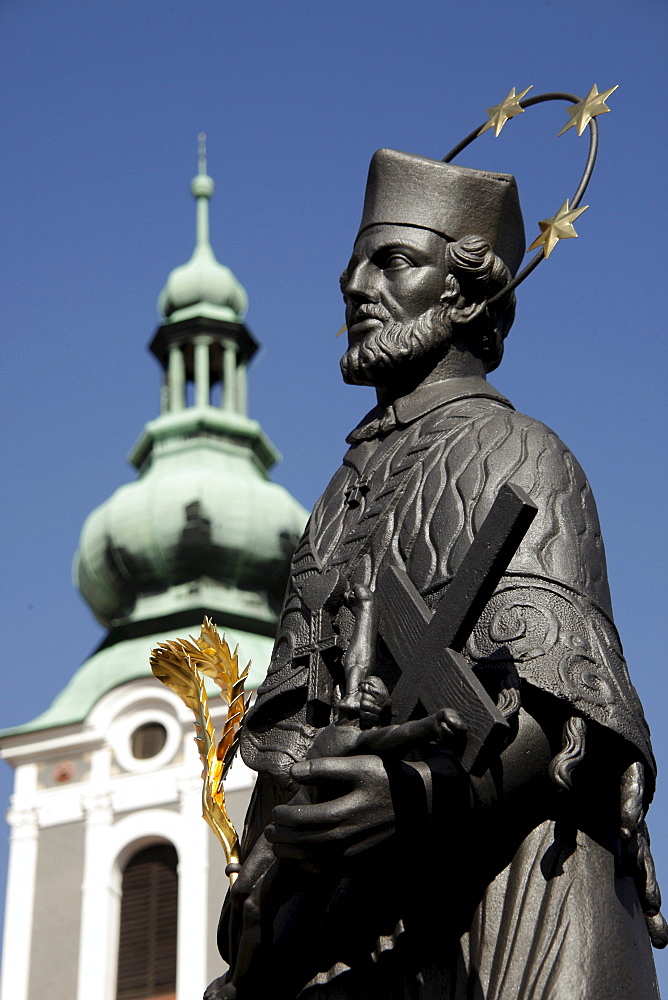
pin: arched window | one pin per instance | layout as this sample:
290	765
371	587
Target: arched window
147	944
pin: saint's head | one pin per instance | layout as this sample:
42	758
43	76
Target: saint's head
436	242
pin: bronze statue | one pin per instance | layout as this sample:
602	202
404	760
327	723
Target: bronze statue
398	847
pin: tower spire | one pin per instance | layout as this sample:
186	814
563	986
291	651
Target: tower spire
202	188
203	286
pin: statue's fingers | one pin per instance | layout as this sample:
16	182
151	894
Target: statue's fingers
339	840
324	769
364	843
313	817
311	854
306	839
292	852
454	719
297	817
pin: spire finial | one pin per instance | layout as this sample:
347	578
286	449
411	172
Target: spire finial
201	152
202	188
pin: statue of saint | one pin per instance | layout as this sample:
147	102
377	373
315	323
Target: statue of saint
374	865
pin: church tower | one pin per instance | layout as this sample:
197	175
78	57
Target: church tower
115	882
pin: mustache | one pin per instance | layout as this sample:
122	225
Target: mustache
372	310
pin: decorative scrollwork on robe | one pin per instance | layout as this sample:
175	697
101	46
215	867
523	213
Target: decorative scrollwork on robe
583	676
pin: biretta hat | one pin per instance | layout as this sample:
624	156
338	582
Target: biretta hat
407	190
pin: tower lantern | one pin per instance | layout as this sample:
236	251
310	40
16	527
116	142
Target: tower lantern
203	340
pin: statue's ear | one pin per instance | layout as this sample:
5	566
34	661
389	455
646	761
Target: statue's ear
466	312
460	311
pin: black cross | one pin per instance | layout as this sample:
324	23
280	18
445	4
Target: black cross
318	655
355	493
427	645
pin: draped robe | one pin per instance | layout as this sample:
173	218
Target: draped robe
521	895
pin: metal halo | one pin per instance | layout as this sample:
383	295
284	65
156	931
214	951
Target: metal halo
581	188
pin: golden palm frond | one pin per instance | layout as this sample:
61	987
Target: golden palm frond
212	656
223	667
215	659
172	665
180	664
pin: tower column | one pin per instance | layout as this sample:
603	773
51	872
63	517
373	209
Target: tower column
21	886
202	374
230	376
164	393
193	872
100	897
176	379
242	389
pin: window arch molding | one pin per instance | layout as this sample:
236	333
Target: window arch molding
129	851
101	901
139	694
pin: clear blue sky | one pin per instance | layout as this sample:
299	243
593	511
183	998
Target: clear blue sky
101	105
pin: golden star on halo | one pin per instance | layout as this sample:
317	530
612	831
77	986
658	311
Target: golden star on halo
583	112
559	227
507	109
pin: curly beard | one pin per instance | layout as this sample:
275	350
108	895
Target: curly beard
376	358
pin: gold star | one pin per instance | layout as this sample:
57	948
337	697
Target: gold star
501	113
559	227
583	112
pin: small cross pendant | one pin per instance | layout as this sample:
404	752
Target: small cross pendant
355	493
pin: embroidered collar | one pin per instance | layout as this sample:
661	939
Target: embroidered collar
381	420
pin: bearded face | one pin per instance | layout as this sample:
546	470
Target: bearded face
390	346
393	289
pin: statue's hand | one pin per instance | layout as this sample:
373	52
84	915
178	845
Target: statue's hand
374	699
353	811
220	989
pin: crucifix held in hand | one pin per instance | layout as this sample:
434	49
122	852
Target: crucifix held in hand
427	645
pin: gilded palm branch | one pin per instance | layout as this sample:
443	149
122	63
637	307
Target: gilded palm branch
181	665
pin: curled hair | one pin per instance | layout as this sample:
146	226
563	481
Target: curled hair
476	274
572	752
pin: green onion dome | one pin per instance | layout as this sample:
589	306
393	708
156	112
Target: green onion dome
203	526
